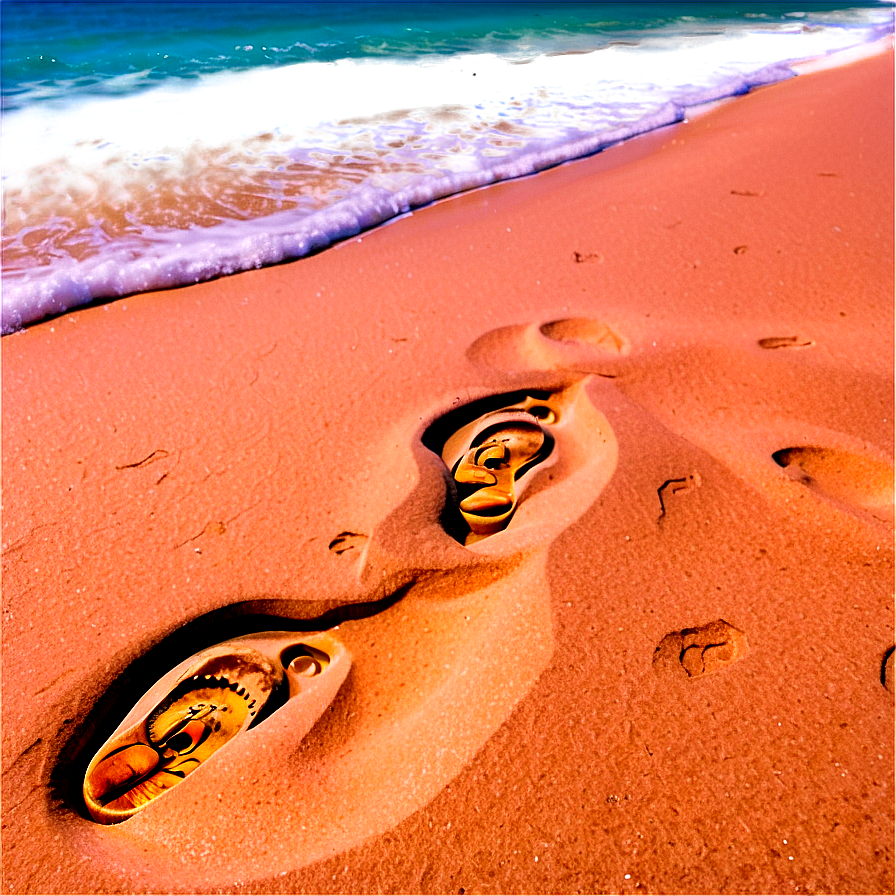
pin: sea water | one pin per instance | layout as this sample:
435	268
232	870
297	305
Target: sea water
149	145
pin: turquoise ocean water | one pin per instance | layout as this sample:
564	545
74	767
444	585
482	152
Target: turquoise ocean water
147	145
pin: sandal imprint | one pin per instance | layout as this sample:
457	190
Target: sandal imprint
211	698
490	460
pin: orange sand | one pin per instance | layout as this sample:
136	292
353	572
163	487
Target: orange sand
698	300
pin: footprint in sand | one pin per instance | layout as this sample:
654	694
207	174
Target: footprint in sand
202	704
586	331
856	480
493	458
577	344
699	651
504	455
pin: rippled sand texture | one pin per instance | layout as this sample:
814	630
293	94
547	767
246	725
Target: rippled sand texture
670	672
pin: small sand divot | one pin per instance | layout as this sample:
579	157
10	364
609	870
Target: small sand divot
772	342
213	527
698	651
673	486
583	257
347	541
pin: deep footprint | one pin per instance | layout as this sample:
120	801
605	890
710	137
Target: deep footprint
493	458
699	651
195	709
855	479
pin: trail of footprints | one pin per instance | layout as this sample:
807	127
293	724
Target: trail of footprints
491	457
218	693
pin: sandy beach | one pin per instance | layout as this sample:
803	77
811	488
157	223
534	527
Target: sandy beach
665	675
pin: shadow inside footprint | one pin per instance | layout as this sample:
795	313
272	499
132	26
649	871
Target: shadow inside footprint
698	651
201	705
854	479
492	458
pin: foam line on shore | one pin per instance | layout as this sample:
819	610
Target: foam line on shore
183	257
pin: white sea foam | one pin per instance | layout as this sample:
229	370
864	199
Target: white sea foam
105	196
163	259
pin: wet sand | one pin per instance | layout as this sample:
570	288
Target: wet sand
665	675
